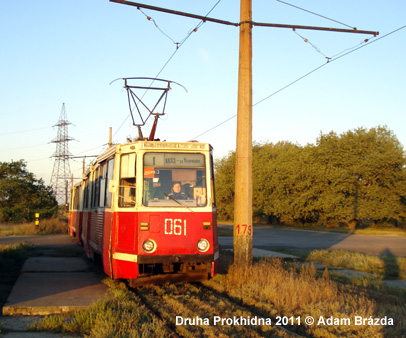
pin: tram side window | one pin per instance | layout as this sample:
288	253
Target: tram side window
95	188
86	194
127	181
73	198
110	171
75	202
102	184
213	188
80	202
91	190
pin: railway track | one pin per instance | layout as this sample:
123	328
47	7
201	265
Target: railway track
195	310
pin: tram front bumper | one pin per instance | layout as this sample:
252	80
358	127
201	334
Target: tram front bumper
156	259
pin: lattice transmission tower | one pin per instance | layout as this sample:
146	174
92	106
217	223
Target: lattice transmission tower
61	173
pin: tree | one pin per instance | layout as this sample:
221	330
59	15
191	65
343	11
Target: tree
277	180
358	176
224	180
22	195
363	176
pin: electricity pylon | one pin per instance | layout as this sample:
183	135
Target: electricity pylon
61	172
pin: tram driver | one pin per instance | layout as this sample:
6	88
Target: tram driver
176	192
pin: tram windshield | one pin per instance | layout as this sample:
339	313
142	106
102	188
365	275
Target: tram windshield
174	179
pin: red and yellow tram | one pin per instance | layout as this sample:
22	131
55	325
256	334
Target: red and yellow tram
148	209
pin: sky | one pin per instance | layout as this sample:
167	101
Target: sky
70	52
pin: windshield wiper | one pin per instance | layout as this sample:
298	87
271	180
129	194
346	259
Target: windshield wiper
174	199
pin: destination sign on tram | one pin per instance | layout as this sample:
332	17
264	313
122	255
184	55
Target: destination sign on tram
174	160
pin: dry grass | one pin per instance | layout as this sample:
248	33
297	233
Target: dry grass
274	289
194	305
386	266
56	225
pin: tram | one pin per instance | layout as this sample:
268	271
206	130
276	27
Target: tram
147	210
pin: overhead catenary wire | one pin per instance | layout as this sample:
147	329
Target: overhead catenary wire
311	44
304	76
178	45
194	30
156	25
206	18
238	24
319	15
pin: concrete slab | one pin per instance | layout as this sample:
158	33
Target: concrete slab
55	264
38	294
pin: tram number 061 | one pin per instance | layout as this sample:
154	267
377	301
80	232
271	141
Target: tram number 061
175	227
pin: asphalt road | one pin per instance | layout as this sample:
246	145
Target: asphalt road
50	240
273	239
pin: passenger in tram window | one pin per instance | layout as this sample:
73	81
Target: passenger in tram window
176	192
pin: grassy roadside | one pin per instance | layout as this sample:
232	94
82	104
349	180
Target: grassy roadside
51	226
385	266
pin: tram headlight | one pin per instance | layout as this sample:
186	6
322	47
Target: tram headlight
203	245
149	245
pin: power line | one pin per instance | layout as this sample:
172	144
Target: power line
23	131
304	76
85	151
25	147
322	16
230	118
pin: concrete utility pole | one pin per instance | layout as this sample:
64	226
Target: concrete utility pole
243	229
